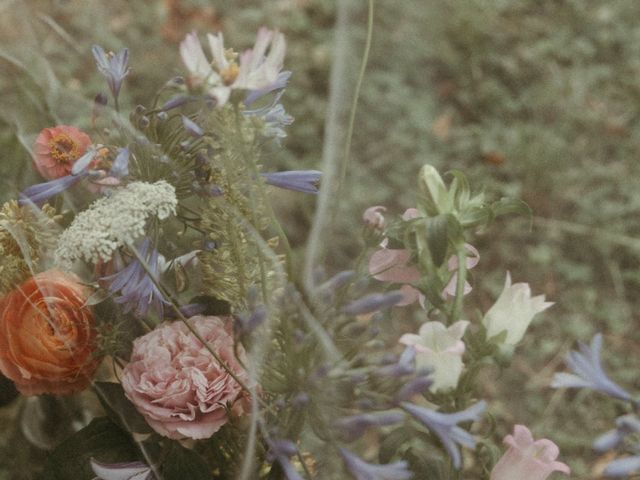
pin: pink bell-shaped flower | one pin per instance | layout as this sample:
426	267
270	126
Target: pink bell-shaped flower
528	459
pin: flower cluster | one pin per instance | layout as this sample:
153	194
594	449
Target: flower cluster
114	221
588	373
171	263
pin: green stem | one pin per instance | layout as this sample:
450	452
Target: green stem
354	102
461	280
333	171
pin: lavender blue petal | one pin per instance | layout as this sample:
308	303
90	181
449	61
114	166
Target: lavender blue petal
413	387
192	127
120	167
133	286
354	426
279	84
305	181
623	467
361	470
41	192
373	303
444	426
83	162
114	67
588	371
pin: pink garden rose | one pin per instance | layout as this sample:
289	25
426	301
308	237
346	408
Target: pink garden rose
175	382
527	459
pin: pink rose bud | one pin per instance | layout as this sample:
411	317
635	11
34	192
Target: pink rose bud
373	217
527	459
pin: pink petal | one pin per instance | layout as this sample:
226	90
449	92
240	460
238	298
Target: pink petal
410	295
452	286
390	265
471	260
410	214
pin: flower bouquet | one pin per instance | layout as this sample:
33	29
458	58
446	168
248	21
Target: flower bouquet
149	281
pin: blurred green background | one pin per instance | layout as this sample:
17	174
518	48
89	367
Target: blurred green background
537	99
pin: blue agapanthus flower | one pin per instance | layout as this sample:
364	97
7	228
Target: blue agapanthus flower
41	192
354	426
273	113
305	181
588	372
400	367
445	427
623	467
120	166
281	451
133	286
625	425
373	303
192	127
114	66
274	116
279	84
361	470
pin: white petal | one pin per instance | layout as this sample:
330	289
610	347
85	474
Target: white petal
193	56
216	44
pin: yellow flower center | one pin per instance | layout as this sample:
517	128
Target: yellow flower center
63	148
230	74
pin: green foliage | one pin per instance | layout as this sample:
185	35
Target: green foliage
119	409
233	218
101	439
181	463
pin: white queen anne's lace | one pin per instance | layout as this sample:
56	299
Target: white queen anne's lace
113	221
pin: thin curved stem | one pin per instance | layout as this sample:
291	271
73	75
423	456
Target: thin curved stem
354	103
336	111
456	310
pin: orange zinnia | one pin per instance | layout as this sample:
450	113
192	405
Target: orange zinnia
56	149
47	335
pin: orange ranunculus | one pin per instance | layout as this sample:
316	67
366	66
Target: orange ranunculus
47	335
56	149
